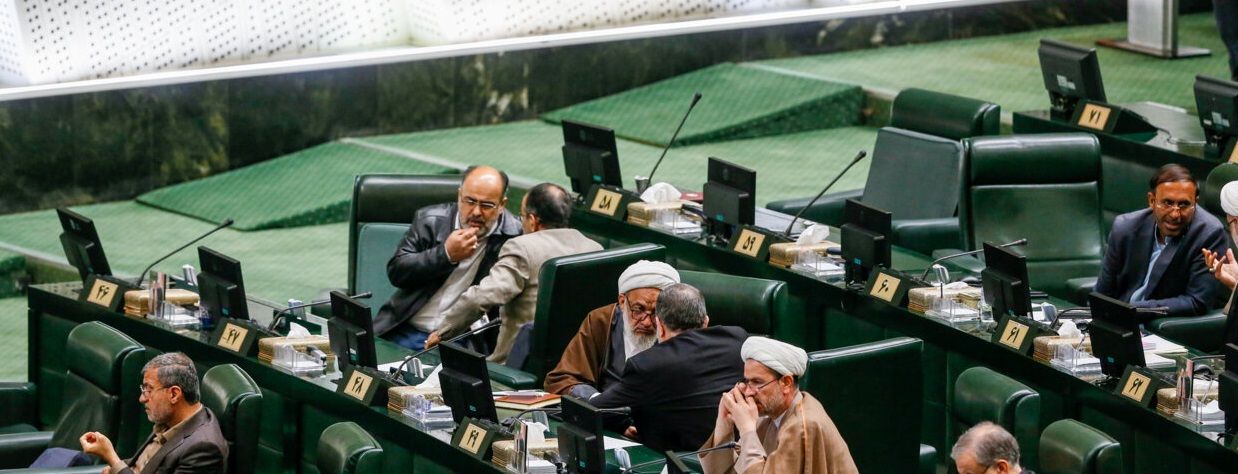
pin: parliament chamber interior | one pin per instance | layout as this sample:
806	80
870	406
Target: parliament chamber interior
363	236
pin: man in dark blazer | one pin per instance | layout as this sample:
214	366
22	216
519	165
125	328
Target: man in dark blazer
186	437
674	387
449	248
1153	256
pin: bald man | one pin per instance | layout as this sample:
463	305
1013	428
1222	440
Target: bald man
987	448
448	248
781	429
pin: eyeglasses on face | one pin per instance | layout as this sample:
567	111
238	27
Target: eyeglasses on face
1180	206
147	389
485	205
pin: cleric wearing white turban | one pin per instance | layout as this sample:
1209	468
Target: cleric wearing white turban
1223	267
780	428
612	334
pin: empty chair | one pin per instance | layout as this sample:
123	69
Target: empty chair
346	448
1071	447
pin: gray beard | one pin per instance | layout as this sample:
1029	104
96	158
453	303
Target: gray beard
634	343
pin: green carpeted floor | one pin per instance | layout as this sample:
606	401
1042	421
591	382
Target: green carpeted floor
1005	69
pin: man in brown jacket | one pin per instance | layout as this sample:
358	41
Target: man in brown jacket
612	334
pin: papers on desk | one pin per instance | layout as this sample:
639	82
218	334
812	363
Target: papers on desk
616	443
1158	344
1155	361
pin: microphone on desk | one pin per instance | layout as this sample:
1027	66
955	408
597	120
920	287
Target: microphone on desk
649	179
142	276
924	275
395	373
281	313
858	156
672	454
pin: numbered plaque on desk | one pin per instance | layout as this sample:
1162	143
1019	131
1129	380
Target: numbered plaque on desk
474	438
891	286
753	242
1109	118
364	385
1139	385
105	291
239	336
610	201
1017	333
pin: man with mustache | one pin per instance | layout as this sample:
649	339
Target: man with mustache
450	247
612	334
1153	259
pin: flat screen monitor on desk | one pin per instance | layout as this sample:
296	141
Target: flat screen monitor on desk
865	240
1071	74
351	331
730	197
1115	335
1004	282
580	437
1217	102
82	247
590	156
466	383
220	285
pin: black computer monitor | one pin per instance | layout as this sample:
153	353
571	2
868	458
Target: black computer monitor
221	290
1217	102
351	331
466	383
1116	340
580	437
1004	282
865	240
1228	387
730	198
590	156
1071	74
81	244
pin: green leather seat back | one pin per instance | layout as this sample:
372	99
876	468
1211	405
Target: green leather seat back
873	394
1043	187
568	288
1071	447
754	304
101	387
383	206
237	403
1210	195
980	394
376	242
346	448
944	115
914	175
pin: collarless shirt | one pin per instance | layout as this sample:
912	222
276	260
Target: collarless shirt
162	435
1157	248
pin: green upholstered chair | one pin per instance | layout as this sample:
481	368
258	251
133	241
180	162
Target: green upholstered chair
100	394
755	304
1071	447
980	394
346	448
873	392
1205	332
915	169
236	401
1042	187
568	288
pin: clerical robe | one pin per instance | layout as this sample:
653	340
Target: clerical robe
586	357
802	440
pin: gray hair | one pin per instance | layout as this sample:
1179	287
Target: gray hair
175	368
681	306
988	443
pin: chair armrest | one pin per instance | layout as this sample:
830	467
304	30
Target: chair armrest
18	450
827	210
57	470
1080	288
928	459
1205	333
926	235
967	263
17	403
513	378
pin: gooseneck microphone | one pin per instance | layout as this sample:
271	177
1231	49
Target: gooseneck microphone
858	156
279	315
924	275
395	373
695	98
142	276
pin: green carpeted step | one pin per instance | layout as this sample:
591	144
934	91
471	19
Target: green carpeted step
277	263
12	266
309	187
788	166
738	102
1006	70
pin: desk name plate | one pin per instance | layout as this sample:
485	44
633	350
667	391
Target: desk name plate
753	242
105	291
238	335
1017	333
891	286
1109	118
365	385
474	438
610	201
1139	385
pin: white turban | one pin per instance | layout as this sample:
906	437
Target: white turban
780	357
1229	198
647	274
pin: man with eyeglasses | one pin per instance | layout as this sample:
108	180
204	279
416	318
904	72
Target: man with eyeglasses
987	449
186	437
449	247
612	334
781	429
674	386
1153	256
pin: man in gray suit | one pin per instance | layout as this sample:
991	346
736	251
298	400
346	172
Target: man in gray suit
512	281
186	438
